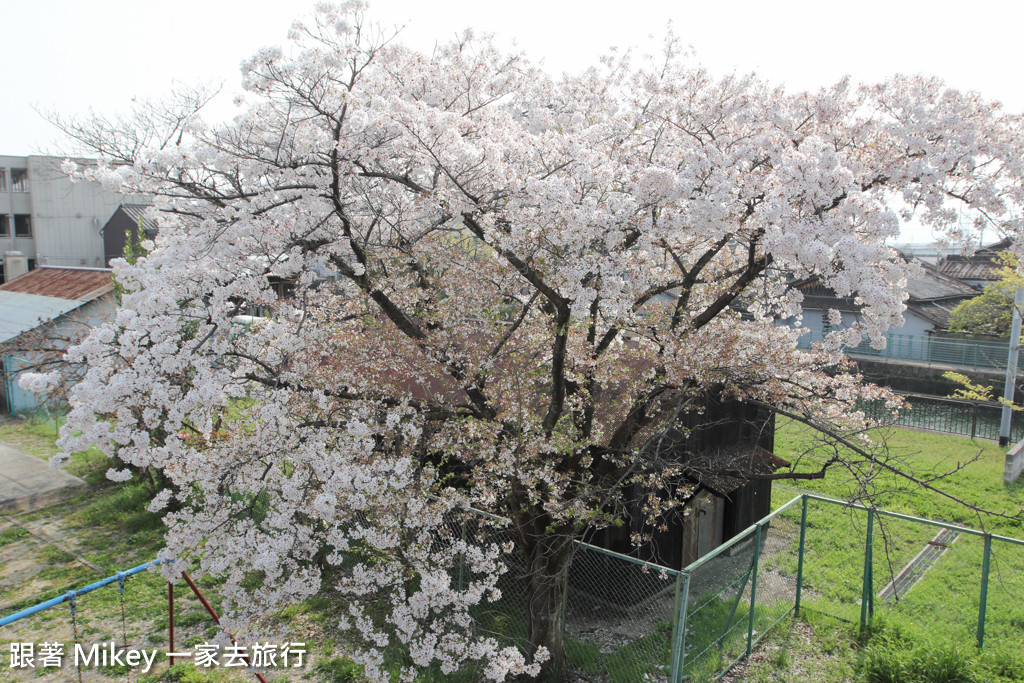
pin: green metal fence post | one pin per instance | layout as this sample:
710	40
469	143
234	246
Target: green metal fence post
753	588
678	661
677	619
984	590
800	557
867	592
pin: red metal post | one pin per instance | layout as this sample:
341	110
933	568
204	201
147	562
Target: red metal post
213	613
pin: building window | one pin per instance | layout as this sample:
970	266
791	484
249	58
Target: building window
22	225
19	179
5	225
3	180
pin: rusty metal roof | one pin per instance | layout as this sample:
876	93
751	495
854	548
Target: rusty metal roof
78	284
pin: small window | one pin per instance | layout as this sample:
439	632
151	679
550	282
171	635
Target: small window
3	180
19	179
22	225
5	225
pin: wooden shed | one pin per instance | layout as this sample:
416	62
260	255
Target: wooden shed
723	448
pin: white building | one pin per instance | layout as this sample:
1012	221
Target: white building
48	218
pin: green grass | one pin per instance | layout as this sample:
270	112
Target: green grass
927	637
925	455
820	648
37	436
12	534
930	634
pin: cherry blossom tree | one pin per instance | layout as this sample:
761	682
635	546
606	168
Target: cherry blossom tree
504	286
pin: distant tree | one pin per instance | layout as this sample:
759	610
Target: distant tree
990	313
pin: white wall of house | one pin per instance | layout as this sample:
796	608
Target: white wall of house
73	324
67	217
914	325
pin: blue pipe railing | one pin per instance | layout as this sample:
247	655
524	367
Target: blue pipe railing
70	595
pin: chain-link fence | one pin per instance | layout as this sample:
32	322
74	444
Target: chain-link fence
738	592
627	620
961	584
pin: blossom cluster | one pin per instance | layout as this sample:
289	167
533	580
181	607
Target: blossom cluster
400	285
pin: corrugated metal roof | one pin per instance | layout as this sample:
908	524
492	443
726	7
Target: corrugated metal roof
136	212
81	284
20	312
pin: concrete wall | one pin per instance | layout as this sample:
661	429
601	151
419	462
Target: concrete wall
921	379
1014	463
13	203
67	217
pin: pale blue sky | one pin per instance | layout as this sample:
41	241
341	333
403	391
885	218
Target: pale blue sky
71	55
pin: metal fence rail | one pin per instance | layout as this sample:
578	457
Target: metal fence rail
836	558
974	354
974	419
629	620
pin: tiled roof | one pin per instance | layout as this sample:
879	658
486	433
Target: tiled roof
932	285
970	270
938	314
78	284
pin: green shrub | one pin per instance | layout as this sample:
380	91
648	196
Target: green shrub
885	665
339	670
943	665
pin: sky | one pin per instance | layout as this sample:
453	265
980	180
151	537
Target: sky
71	56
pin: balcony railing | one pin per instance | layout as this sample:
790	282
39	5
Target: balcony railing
966	353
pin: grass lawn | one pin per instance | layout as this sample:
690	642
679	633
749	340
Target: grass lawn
930	633
110	527
923	454
38	437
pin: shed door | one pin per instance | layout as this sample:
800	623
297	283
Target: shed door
711	517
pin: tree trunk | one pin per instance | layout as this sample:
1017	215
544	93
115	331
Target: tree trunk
547	557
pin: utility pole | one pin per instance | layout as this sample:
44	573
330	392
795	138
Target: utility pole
1011	369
